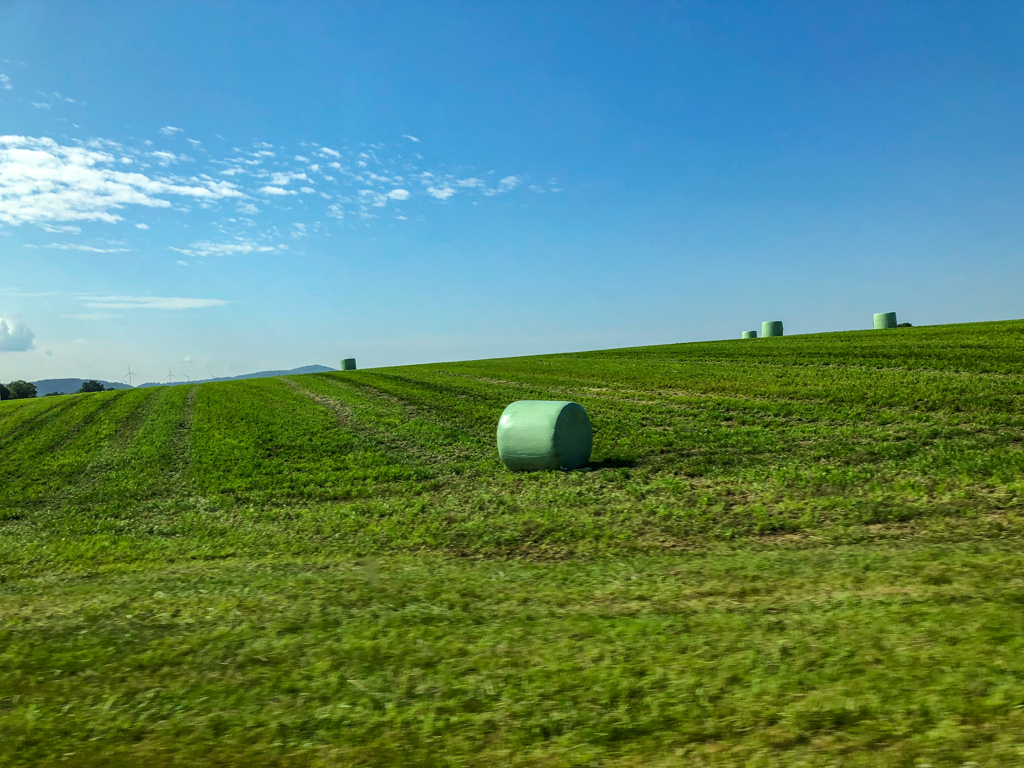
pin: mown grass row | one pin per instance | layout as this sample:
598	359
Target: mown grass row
797	551
687	451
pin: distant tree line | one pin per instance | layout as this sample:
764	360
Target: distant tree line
17	390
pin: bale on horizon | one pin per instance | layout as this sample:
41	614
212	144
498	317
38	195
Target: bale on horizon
348	364
884	320
771	328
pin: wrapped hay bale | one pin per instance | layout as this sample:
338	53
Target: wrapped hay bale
884	320
749	335
771	328
348	364
544	434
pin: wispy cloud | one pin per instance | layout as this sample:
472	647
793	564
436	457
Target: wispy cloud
170	130
410	138
5	83
151	302
277	191
166	158
90	316
77	247
205	248
280	179
40	105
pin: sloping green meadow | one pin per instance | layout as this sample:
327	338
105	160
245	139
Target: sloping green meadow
801	550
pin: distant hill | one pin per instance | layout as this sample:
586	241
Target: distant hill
258	375
70	386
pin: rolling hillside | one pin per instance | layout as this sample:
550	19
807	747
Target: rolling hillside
805	548
70	386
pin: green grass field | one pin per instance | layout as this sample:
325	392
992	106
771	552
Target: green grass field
794	551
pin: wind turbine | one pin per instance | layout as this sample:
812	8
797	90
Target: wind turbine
128	376
170	376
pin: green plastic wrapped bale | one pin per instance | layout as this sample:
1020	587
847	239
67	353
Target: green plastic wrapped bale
544	434
771	328
348	364
750	334
885	320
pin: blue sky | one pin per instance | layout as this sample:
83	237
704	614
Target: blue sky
228	187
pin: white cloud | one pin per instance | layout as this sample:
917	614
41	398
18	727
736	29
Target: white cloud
170	130
165	158
277	191
151	302
410	138
307	190
399	194
205	248
15	336
470	183
40	105
86	248
195	142
280	179
182	263
369	197
41	180
302	159
142	226
71	228
509	182
247	208
5	83
330	152
442	193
